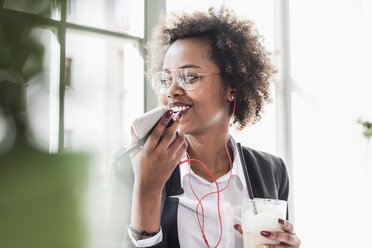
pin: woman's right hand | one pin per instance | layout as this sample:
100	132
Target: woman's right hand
152	166
159	156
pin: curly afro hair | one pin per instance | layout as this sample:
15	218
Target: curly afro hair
235	47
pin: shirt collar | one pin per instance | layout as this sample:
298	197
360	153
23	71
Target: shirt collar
237	169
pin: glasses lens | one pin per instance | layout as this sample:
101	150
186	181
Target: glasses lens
189	78
160	81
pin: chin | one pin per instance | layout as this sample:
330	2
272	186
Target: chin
187	130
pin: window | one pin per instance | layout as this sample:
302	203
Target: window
330	61
124	16
92	83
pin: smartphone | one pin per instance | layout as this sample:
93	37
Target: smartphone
141	128
144	124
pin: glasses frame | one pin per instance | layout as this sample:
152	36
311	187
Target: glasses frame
178	80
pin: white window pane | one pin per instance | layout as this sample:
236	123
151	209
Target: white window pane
43	93
106	92
125	16
329	152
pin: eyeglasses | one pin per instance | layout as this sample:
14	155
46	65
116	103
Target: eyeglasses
186	78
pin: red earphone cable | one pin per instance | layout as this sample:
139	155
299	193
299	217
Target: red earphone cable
228	154
215	181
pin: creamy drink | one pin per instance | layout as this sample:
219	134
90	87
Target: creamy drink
261	215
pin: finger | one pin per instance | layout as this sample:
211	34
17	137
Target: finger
181	151
287	226
177	143
155	135
284	237
180	145
238	228
172	133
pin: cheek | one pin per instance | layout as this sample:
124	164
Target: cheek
163	100
209	105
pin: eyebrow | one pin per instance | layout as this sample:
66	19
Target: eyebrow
185	66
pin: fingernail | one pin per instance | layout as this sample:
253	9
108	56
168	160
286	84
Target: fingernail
169	114
266	234
236	226
282	222
180	114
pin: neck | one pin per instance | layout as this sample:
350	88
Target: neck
210	149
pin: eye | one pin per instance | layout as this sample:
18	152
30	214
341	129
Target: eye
189	76
164	82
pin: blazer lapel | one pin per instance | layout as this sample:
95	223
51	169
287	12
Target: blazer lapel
170	208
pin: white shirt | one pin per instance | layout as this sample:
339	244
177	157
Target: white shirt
189	233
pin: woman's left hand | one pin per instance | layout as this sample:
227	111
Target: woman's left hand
288	238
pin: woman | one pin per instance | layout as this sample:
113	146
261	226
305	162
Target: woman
204	66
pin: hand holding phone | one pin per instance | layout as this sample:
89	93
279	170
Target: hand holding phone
163	149
153	164
141	128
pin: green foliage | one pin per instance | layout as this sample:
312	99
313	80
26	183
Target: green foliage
368	128
41	199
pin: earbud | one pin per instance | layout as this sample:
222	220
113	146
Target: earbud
233	91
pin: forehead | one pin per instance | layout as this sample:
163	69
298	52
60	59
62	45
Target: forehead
189	51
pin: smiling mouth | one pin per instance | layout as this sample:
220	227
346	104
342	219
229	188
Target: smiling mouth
177	109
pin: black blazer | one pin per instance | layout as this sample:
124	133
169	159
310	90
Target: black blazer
268	177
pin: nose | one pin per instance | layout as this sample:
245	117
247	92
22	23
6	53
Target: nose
174	89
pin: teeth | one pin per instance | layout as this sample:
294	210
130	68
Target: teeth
176	109
179	108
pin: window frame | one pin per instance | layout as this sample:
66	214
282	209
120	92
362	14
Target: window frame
59	29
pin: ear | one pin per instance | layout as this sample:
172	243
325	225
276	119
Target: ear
231	94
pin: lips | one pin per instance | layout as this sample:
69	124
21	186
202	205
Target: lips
177	107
